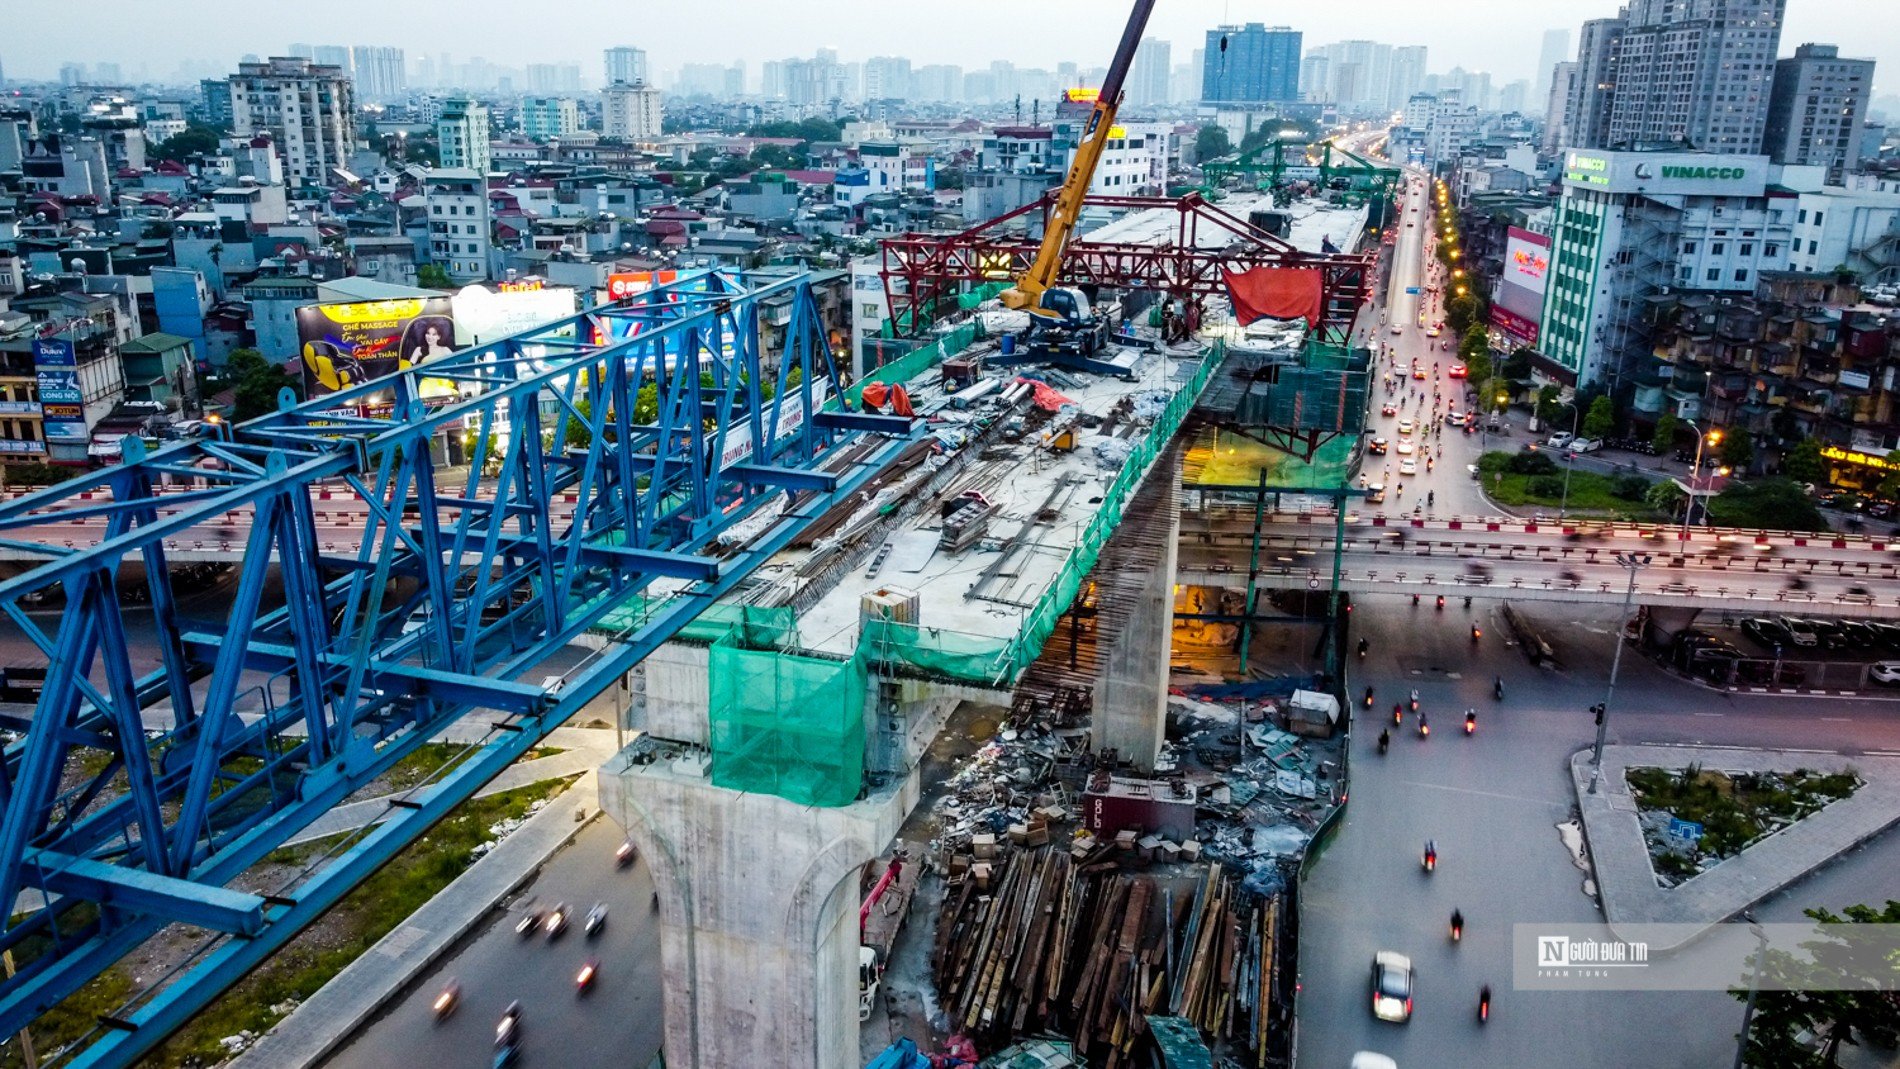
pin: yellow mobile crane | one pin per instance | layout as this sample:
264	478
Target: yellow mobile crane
1061	319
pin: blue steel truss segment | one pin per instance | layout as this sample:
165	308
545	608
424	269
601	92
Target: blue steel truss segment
133	483
129	725
89	510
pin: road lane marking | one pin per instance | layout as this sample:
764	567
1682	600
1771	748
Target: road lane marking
1839	719
1711	714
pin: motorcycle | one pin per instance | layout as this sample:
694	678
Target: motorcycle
1497	689
1424	727
1484	1004
1362	656
1385	740
1441	603
1430	858
624	855
448	1000
1476	634
1457	926
584	980
1471	721
1368	697
1415	701
1396	712
508	1032
596	920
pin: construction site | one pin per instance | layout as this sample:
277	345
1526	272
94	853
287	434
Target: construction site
931	758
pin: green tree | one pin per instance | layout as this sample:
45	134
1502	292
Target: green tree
193	140
1475	341
1803	463
1770	504
434	276
1600	419
1549	403
1517	366
1888	488
1211	143
1665	497
1665	436
1738	450
256	382
1833	993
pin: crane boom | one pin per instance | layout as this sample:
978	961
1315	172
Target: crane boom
1028	291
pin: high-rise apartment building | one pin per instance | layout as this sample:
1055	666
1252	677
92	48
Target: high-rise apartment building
554	78
1816	108
1556	50
630	112
1587	113
549	117
379	72
1563	87
458	222
1354	74
1408	75
332	56
1695	73
1251	64
887	78
937	82
308	109
626	64
462	135
1148	78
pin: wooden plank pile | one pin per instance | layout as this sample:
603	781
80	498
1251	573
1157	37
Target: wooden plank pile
1066	940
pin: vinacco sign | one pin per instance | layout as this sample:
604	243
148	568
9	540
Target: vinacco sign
1667	173
1722	174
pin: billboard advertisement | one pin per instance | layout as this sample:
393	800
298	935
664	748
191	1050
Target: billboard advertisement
62	404
1526	260
345	345
1667	173
483	315
622	284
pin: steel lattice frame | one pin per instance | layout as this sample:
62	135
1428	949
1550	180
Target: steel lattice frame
920	271
455	593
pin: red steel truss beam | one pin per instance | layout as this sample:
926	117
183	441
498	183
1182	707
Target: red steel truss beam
921	269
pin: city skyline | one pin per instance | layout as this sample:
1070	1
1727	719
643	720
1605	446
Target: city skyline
763	32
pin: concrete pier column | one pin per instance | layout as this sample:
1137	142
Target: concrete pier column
759	902
1135	620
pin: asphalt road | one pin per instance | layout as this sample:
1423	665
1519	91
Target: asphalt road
1494	802
618	1023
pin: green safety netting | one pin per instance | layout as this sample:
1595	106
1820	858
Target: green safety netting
952	654
915	362
1219	457
757	627
968	301
786	724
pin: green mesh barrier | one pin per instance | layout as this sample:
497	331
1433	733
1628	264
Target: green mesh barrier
759	628
915	362
785	724
968	301
950	654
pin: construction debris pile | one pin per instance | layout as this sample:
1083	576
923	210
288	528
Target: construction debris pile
1062	938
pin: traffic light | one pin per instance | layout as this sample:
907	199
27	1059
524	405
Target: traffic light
1597	711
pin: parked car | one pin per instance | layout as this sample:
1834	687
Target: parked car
1768	632
1585	445
1886	672
1831	634
1799	632
1559	440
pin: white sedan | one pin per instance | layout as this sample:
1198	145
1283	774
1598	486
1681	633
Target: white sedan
1405	426
1408	466
1405	447
1887	672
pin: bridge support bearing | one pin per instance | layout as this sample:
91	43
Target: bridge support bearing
759	911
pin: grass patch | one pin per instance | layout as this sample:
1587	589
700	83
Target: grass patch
425	762
1734	811
539	752
1590	493
73	1018
354	924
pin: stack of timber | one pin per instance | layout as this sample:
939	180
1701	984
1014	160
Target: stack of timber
1063	939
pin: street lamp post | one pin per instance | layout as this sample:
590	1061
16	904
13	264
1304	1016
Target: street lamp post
1695	470
1754	985
1634	562
1570	454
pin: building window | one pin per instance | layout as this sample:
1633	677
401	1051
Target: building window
1771	250
1748	248
1741	274
1715	274
1688	248
1813	247
1801	216
1717	248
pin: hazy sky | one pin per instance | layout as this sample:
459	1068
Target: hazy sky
1501	36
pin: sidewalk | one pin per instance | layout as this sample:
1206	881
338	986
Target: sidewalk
1626	884
316	1028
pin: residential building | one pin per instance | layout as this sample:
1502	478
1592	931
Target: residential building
308	109
1853	229
1251	64
1556	49
380	73
1408	75
887	78
162	369
554	77
1563	91
631	112
1632	225
1148	77
625	64
462	135
274	301
181	301
459	222
937	82
543	118
1817	107
1587	114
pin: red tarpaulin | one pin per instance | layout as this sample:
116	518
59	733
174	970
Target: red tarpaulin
1275	293
876	394
1047	397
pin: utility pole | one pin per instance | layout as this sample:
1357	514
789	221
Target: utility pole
1635	562
1754	988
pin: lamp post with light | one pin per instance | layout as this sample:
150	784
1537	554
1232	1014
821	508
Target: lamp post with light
1713	437
1634	562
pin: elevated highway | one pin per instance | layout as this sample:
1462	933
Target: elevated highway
1502	558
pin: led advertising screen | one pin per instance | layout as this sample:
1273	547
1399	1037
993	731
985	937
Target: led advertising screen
345	345
483	315
1526	260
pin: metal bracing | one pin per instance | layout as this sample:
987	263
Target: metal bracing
922	270
612	451
1274	159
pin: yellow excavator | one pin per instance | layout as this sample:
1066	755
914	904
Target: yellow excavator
1061	321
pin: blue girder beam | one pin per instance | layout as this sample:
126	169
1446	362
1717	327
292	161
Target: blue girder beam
265	715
